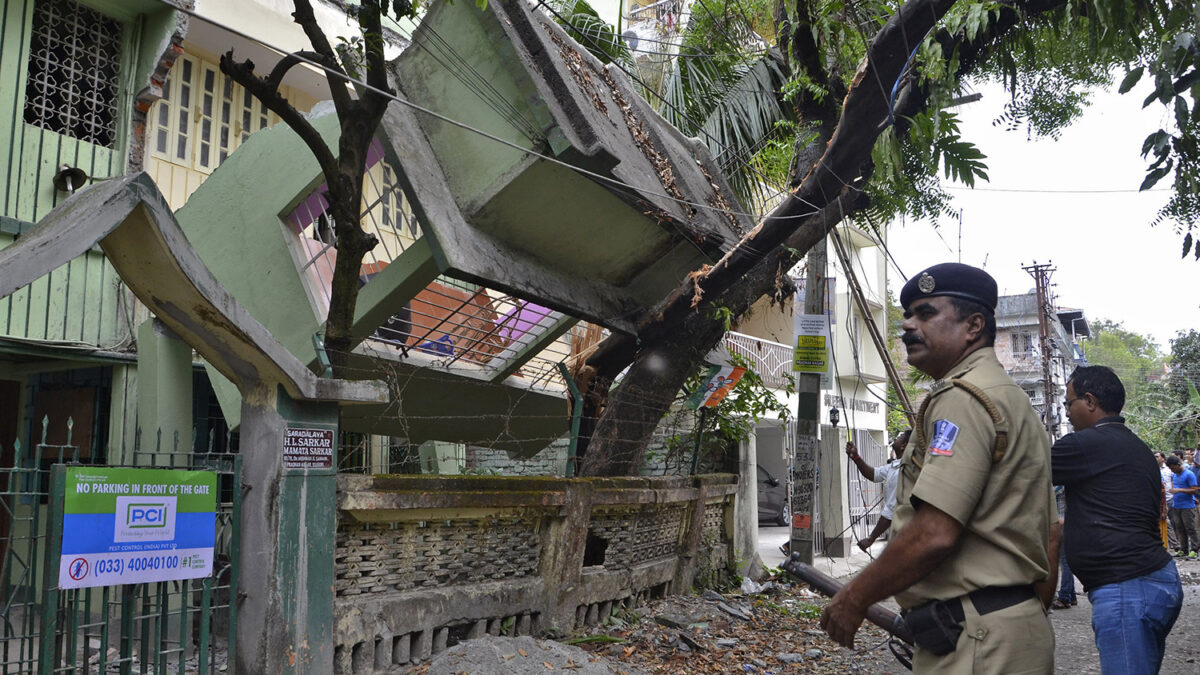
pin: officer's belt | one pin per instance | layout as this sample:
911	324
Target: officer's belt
991	599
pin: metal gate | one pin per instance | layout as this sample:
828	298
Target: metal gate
164	627
865	497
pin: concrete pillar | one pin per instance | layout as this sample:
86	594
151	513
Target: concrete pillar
285	589
122	414
835	514
745	518
562	560
164	391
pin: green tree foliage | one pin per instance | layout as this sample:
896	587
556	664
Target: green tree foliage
725	88
581	22
1140	363
1169	58
1162	403
1185	363
1135	358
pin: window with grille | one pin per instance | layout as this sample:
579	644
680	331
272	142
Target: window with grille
74	72
203	116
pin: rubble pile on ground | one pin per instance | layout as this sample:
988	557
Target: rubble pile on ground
767	629
774	630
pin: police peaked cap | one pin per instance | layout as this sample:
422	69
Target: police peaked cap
955	280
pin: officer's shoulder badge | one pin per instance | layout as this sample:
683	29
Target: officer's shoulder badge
945	433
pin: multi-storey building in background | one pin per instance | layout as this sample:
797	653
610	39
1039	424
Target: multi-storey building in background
1028	359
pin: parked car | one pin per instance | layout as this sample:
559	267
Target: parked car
772	498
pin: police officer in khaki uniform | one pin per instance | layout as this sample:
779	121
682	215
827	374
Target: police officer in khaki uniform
969	562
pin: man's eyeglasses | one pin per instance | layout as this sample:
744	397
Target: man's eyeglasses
1067	403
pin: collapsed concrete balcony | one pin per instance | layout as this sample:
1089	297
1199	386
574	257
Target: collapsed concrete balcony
593	208
593	203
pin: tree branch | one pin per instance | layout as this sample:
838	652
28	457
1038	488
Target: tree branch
243	74
743	275
864	114
308	23
369	21
275	78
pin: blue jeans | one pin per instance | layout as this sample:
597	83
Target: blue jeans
1066	582
1131	620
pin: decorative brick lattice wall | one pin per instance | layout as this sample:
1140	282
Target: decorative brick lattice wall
637	536
713	531
380	558
423	562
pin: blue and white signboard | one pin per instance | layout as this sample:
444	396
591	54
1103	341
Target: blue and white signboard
132	526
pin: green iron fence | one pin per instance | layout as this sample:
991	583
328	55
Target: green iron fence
184	626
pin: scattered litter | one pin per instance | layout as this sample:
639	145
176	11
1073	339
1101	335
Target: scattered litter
733	611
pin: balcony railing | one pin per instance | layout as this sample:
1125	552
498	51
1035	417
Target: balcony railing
771	360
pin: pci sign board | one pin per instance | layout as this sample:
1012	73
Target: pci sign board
133	526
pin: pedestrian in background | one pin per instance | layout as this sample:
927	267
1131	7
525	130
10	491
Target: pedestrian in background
973	557
886	474
1066	581
1183	507
1111	533
1172	541
1192	463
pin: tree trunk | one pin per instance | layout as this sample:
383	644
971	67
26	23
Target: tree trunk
672	344
634	409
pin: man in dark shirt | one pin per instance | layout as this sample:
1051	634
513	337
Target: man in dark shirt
1114	498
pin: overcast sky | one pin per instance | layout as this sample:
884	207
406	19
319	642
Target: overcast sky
1109	261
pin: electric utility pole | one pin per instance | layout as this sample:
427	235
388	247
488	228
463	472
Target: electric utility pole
1041	277
808	419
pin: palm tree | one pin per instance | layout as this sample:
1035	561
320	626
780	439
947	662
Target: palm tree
724	88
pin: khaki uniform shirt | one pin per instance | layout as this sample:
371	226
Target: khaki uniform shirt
1005	507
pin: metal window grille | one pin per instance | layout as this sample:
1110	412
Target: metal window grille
74	72
451	325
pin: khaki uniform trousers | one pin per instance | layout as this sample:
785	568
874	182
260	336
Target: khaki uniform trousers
1012	641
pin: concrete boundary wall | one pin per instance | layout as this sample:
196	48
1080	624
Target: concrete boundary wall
423	562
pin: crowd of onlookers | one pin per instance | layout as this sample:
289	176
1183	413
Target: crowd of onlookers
1180	487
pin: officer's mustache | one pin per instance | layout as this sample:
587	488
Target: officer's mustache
910	339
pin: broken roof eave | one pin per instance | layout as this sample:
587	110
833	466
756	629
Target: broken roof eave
131	221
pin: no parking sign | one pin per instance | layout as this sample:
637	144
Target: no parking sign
131	526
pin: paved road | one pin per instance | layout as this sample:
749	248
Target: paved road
1075	650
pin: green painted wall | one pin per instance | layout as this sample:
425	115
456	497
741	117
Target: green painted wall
164	393
82	301
33	154
240	209
511	107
